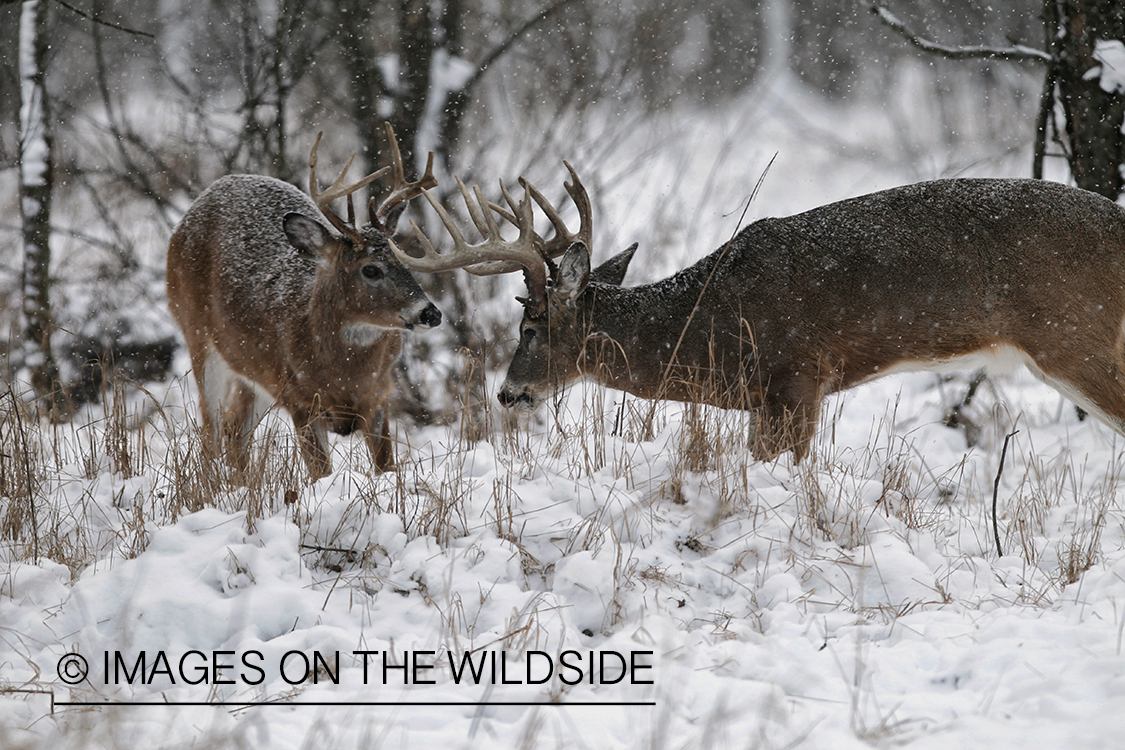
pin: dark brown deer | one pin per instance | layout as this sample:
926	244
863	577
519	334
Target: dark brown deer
275	305
793	309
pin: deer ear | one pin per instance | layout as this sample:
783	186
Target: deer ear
613	270
306	235
573	273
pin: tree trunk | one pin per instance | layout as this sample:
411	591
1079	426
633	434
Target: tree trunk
355	22
425	105
1094	107
421	37
416	55
35	200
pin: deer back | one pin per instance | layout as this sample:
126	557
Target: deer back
920	273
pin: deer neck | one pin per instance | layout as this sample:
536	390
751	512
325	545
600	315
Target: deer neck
331	334
642	340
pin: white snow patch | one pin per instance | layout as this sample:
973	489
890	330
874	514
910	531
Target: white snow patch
1110	53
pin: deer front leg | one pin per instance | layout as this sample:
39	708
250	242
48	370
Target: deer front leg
377	434
787	420
312	437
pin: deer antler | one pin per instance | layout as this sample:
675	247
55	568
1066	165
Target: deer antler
494	254
402	191
338	189
562	238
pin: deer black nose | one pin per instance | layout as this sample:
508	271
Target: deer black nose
430	317
517	397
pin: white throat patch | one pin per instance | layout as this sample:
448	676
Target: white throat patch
362	334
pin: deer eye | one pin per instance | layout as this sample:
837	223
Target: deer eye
372	271
528	335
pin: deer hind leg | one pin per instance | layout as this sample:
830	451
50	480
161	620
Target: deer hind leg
214	378
787	420
312	437
377	434
239	420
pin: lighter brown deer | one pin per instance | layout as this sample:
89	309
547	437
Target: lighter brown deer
793	309
276	307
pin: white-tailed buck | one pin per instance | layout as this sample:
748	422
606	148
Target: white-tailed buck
793	309
276	305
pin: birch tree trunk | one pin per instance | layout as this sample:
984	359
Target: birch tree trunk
35	201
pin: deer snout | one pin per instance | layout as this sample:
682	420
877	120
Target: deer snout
430	317
520	398
423	316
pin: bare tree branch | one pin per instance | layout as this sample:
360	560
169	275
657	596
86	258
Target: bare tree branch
134	175
97	20
1017	53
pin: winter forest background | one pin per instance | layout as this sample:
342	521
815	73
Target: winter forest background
947	568
155	101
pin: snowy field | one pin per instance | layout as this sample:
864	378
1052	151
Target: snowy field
855	600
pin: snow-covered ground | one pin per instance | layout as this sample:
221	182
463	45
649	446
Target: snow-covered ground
856	599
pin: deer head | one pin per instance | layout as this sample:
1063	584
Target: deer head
385	288
553	334
552	338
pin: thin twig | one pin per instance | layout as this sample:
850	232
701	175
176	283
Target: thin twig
1019	53
318	548
110	24
996	491
1042	119
513	37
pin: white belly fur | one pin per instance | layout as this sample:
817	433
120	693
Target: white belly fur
1001	359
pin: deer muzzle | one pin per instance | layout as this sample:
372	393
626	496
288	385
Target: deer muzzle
429	316
521	399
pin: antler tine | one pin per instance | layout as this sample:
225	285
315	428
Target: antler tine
581	199
475	207
491	256
447	220
548	209
563	237
402	191
338	189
